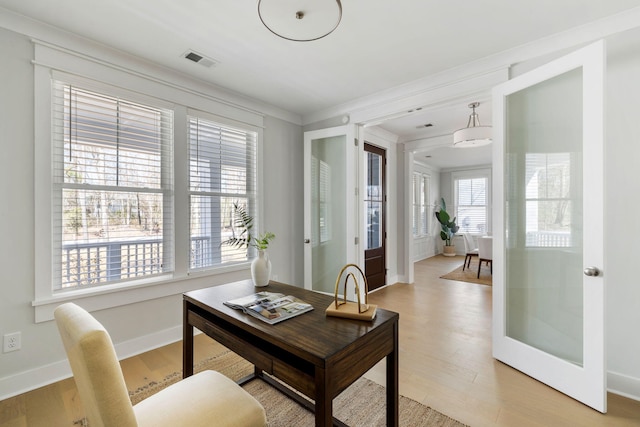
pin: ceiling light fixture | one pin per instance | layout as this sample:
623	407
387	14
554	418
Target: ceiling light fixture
474	135
300	21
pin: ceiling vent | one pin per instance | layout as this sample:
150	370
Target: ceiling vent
426	125
200	59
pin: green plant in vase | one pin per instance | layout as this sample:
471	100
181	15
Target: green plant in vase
448	228
242	237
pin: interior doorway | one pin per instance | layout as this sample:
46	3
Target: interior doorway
375	233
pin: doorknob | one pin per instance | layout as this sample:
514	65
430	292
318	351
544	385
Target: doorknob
307	241
591	271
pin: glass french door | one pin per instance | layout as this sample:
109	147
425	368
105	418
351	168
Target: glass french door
329	205
548	187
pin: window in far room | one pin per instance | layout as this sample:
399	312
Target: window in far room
472	203
420	204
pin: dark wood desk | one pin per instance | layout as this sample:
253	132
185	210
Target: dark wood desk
317	355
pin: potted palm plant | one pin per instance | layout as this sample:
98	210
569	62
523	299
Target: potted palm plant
242	238
448	229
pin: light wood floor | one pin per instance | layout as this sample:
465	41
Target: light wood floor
445	363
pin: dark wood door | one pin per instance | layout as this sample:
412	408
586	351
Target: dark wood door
375	198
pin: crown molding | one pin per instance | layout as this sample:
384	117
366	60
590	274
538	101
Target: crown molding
414	94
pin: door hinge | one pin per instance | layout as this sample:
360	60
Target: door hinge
355	141
356	240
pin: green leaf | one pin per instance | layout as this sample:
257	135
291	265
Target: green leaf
241	231
443	217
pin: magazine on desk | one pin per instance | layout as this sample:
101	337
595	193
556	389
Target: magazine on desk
270	307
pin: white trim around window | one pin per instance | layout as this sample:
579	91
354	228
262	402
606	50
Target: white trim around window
58	64
469	176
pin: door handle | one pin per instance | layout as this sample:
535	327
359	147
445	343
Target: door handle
307	241
591	271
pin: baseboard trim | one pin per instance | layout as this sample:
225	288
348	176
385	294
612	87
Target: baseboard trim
23	382
623	385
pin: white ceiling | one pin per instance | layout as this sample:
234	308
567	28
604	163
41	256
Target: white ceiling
379	44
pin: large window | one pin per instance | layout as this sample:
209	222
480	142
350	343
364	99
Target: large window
112	188
420	204
134	177
222	172
472	203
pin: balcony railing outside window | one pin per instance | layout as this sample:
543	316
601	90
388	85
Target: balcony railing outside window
93	263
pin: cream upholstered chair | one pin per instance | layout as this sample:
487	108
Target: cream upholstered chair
205	399
485	252
470	249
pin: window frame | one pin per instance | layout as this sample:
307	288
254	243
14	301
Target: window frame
253	192
467	175
54	63
59	185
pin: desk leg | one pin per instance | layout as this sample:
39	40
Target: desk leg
324	403
392	382
187	342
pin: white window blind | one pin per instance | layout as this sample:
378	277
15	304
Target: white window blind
222	172
471	205
112	188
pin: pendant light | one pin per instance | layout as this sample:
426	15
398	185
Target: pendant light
300	20
474	135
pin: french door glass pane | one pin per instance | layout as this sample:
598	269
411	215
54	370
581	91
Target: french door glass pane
328	221
373	201
543	217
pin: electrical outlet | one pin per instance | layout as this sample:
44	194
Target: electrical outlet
12	342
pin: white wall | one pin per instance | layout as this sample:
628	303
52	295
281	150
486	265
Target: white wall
283	170
622	227
134	327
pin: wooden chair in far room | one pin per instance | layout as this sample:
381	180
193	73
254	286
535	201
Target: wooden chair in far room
470	249
205	399
485	252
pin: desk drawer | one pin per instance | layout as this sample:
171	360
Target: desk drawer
242	347
301	381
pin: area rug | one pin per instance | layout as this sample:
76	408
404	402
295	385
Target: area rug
471	274
362	404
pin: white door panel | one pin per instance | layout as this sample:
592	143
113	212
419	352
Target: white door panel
548	205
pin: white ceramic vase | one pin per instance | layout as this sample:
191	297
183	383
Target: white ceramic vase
261	269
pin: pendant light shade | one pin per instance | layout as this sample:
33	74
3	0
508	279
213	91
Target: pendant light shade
474	135
300	20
